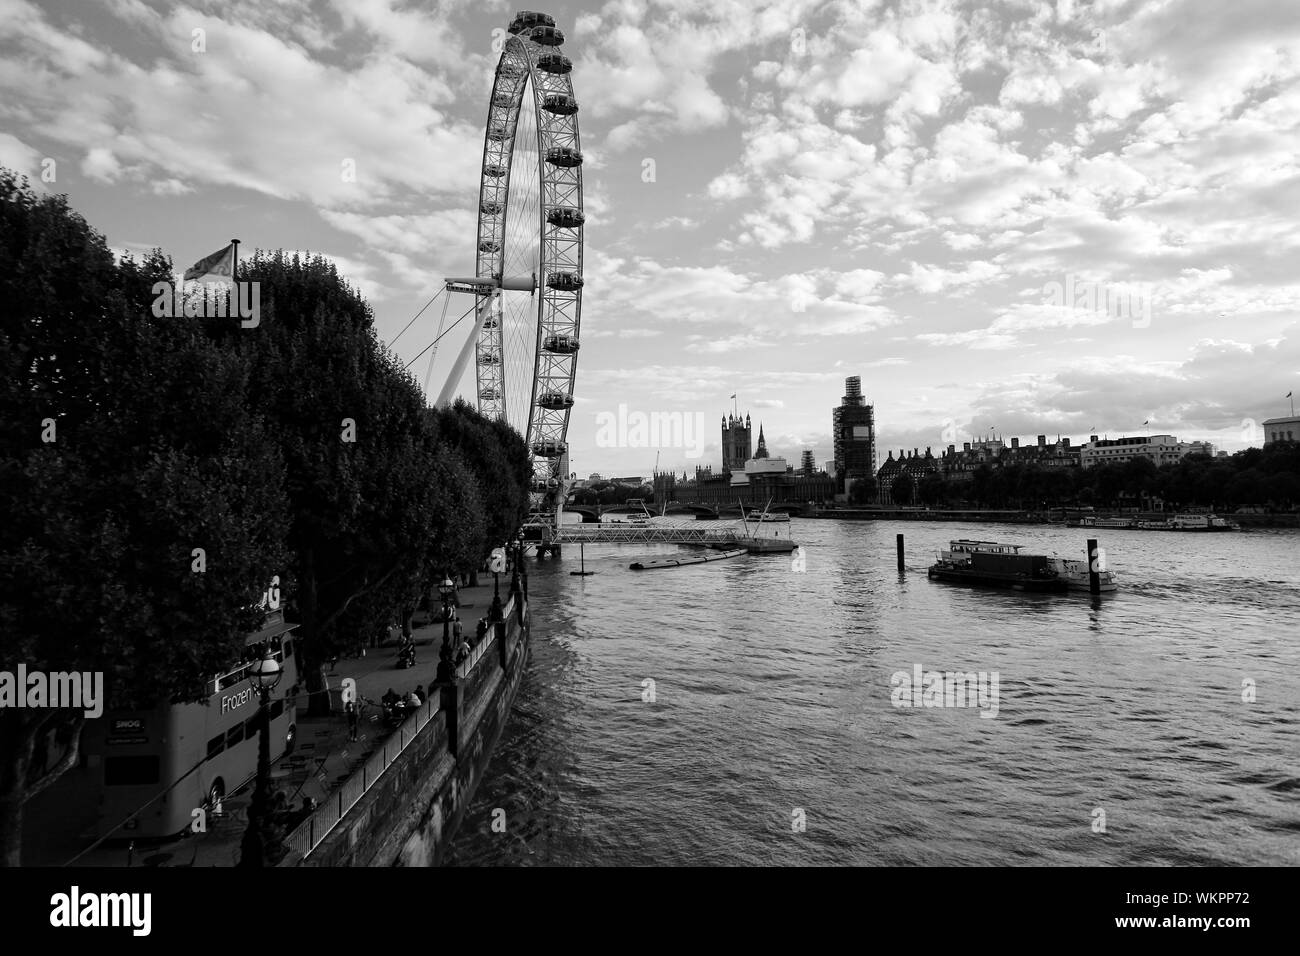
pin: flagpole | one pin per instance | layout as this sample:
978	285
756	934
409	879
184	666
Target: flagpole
234	266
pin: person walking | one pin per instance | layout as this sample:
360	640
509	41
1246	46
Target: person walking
354	718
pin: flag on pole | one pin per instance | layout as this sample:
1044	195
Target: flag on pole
218	267
1288	395
733	394
1147	422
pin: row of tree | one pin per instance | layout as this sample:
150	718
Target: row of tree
1257	477
610	493
156	472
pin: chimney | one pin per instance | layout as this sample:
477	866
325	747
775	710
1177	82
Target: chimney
1065	443
1042	441
965	446
952	449
1015	443
1093	439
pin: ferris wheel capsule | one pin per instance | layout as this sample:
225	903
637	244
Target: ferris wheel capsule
561	104
565	156
490	208
560	344
564	281
550	449
555	63
555	401
527	19
546	35
495	171
566	217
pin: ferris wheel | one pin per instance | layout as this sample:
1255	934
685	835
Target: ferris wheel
528	279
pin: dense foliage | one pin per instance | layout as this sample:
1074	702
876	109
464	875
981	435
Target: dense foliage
1267	478
156	472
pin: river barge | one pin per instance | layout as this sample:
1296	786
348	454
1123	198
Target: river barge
1073	570
1007	569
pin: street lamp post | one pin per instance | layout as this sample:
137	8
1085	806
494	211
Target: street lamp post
446	657
260	838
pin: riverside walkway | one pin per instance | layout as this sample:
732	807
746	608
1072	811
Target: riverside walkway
325	761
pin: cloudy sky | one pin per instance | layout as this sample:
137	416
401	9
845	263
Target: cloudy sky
779	194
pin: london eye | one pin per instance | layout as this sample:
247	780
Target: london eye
528	275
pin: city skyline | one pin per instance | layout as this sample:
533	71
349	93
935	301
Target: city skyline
905	191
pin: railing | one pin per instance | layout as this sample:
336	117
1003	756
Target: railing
672	534
311	832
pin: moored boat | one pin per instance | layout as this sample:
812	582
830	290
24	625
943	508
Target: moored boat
1190	523
1091	522
1001	569
1073	571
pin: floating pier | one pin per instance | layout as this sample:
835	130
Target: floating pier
691	559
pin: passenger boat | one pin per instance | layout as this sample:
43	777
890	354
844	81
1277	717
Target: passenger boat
1074	571
1091	522
767	516
1016	572
1190	523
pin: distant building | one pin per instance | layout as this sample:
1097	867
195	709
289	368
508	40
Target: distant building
853	431
806	463
736	445
753	480
916	465
1160	449
1281	429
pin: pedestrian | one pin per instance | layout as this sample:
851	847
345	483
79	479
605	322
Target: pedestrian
354	718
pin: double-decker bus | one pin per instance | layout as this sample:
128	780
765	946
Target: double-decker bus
154	767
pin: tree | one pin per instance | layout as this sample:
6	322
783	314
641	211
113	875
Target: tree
902	489
140	500
930	490
862	492
352	424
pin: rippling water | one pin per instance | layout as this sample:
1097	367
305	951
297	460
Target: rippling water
773	695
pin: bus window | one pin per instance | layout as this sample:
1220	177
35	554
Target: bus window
216	745
132	771
288	648
234	735
277	708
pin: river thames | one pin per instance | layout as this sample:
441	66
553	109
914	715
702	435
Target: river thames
1157	725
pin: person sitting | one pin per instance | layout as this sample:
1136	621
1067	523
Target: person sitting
463	651
419	692
390	698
